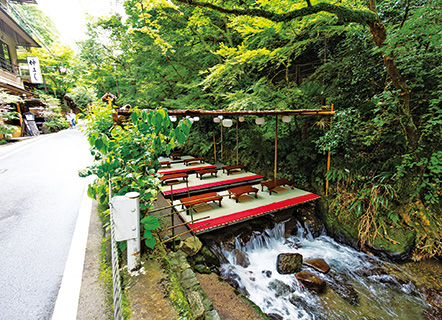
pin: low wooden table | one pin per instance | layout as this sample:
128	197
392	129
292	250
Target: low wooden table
172	176
230	169
238	191
189	161
165	164
272	184
189	202
175	156
204	171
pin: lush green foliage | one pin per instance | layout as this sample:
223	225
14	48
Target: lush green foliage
7	113
54	120
181	56
127	155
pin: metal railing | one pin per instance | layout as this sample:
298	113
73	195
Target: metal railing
116	280
7	65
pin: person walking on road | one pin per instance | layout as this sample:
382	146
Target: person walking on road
70	117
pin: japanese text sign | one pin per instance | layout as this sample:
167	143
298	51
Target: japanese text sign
34	70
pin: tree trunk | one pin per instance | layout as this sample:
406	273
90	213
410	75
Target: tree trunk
379	32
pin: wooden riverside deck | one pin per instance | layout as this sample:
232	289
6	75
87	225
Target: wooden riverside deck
232	211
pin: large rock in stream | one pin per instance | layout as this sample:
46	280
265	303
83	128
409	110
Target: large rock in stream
191	246
318	264
310	281
289	263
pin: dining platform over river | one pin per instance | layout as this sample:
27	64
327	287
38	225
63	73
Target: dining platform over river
215	196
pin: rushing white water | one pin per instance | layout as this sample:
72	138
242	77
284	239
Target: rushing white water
378	296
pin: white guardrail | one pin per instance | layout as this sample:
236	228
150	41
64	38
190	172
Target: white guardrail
125	225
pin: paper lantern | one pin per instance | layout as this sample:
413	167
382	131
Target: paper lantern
259	121
173	118
241	119
227	123
286	119
196	118
216	120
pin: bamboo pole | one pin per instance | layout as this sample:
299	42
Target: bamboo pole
214	146
191	230
328	156
276	146
187	222
236	140
222	141
190	209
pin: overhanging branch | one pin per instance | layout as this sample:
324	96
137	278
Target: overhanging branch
343	13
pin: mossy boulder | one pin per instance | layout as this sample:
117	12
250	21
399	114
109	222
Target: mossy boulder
191	246
398	247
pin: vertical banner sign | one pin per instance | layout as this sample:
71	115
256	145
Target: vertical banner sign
34	70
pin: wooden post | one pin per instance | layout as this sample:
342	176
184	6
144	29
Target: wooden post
276	146
328	156
20	118
236	140
221	141
214	145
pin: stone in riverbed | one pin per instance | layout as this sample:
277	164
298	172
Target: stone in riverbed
310	281
289	263
274	316
432	313
231	277
196	305
267	273
241	258
318	264
433	297
343	288
280	288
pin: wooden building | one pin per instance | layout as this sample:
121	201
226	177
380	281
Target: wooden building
12	36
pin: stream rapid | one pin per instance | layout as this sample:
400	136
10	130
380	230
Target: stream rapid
359	286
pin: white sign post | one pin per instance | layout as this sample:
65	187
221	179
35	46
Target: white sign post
34	70
126	215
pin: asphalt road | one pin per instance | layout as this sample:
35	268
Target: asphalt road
40	196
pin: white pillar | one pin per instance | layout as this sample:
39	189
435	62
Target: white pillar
133	245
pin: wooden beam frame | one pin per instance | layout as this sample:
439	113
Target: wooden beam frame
313	112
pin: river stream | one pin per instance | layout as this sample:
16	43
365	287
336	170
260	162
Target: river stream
359	286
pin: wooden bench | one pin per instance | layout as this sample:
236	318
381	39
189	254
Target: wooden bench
231	169
272	184
165	164
175	156
238	191
204	171
189	161
189	202
173	176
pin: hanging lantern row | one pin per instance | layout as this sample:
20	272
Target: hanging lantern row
192	120
228	122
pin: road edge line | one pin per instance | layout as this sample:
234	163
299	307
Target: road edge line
66	305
